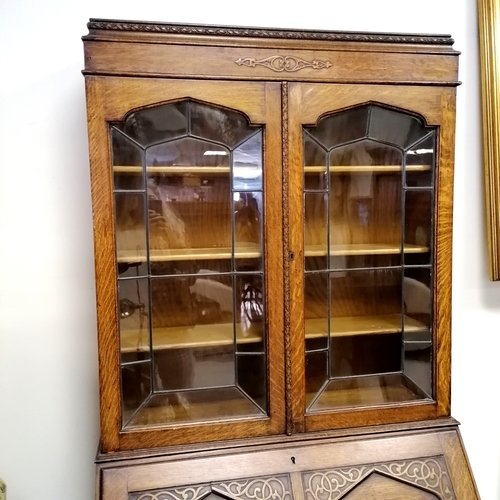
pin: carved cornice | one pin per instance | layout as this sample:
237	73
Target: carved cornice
283	63
181	29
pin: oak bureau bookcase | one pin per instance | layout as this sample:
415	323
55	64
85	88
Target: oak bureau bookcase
273	228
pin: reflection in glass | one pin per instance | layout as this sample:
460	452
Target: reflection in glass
130	227
127	162
418	224
394	127
250	314
182	208
248	210
315	172
418	365
251	373
133	314
186	152
417	302
136	387
364	156
157	124
340	128
192	227
420	162
221	125
247	164
315	230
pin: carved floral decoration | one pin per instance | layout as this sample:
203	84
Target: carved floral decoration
283	63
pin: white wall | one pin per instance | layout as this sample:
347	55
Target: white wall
48	369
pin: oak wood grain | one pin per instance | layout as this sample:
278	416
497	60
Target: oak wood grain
443	255
458	465
387	453
126	58
105	267
222	334
281	80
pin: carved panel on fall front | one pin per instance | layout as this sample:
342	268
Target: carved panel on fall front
424	479
189	493
266	488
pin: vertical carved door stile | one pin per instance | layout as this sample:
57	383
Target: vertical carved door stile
287	255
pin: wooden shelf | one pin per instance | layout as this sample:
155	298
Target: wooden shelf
202	336
362	325
363	249
312	169
171	170
363	169
197	336
253	252
183	254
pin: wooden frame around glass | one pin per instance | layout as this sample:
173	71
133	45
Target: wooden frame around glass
489	31
109	100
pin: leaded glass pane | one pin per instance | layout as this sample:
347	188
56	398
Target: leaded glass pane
420	162
247	164
189	218
418	226
371	217
130	234
156	124
394	127
341	128
127	162
221	125
248	212
316	231
133	313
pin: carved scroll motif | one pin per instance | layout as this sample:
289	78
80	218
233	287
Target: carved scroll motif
270	488
283	63
430	474
190	493
329	485
267	488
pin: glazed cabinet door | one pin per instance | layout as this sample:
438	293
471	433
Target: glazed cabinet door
186	183
370	186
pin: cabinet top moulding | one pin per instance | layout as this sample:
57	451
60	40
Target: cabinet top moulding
137	48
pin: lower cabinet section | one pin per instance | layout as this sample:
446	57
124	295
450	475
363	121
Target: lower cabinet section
391	464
